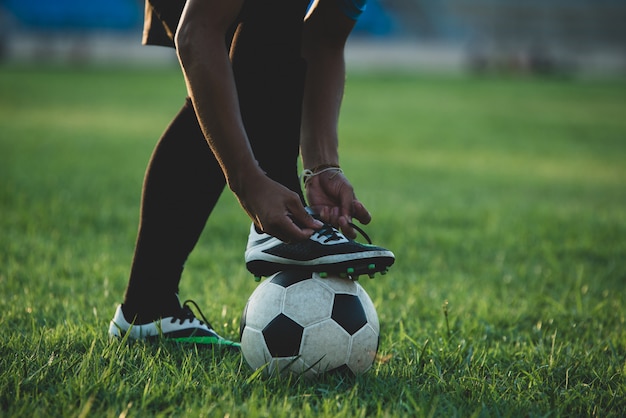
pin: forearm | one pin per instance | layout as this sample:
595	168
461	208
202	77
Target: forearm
208	75
324	38
322	101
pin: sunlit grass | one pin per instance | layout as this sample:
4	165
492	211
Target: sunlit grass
503	200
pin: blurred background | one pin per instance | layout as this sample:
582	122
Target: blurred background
571	37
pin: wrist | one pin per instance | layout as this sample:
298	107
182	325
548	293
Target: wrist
316	155
331	169
320	167
239	179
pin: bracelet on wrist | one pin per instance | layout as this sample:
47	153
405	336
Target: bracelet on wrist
308	174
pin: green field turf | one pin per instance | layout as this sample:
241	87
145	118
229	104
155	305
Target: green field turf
503	199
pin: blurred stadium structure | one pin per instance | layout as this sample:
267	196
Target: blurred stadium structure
523	36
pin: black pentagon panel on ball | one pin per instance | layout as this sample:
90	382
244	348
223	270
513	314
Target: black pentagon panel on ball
289	277
348	312
283	336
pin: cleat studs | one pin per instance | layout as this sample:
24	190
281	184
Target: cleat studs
384	272
350	270
343	275
371	267
323	274
372	275
257	278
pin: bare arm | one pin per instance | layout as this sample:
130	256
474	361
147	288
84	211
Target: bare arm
210	83
206	67
325	35
326	31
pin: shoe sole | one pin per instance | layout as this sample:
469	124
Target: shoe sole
202	341
350	269
208	342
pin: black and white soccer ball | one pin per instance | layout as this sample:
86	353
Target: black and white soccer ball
297	322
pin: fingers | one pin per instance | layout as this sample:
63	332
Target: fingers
287	231
303	220
360	213
357	212
332	197
293	224
277	211
334	215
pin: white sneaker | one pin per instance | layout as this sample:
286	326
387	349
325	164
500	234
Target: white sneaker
183	327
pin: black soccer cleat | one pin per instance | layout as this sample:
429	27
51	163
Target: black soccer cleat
327	252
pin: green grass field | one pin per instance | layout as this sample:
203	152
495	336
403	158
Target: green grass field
503	199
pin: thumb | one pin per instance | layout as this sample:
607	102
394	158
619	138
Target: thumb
360	212
346	209
304	220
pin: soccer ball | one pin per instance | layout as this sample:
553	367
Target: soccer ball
297	322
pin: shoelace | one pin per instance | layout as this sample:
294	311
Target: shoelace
360	231
332	233
329	232
187	314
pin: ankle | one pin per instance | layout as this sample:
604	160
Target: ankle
142	313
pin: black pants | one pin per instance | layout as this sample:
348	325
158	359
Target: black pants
183	180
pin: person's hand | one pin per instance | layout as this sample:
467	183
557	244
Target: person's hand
331	195
276	210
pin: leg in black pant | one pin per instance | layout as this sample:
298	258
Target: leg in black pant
184	181
182	185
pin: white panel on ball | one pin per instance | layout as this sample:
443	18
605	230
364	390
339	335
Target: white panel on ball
266	303
339	286
325	346
363	350
253	347
307	302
